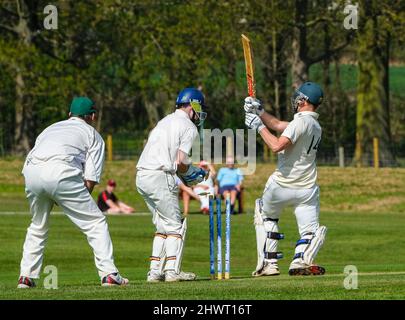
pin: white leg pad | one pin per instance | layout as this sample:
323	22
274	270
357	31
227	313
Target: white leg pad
181	246
157	259
174	249
308	246
271	243
316	243
271	236
260	235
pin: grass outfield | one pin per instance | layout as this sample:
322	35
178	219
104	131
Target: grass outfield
364	211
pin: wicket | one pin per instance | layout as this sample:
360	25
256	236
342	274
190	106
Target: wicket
217	202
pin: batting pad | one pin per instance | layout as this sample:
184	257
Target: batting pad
157	259
173	255
260	234
316	243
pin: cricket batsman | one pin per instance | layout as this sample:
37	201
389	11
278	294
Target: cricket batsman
165	155
293	182
63	168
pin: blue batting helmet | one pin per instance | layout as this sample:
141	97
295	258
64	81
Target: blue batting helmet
188	95
195	98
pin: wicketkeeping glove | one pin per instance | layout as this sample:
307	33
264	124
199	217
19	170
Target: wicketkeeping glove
252	121
253	105
193	176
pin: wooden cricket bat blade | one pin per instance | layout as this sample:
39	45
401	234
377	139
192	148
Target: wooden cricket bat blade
248	54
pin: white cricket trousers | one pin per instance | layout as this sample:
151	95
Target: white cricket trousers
161	194
305	203
49	183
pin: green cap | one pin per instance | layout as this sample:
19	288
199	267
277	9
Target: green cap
82	106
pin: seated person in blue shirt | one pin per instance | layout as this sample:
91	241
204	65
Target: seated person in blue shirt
229	181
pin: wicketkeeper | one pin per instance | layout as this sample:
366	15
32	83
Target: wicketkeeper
62	168
293	183
165	155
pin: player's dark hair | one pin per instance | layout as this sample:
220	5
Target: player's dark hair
182	105
84	117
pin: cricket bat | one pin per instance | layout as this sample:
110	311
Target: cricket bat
247	51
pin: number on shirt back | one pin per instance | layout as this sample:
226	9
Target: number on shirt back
313	146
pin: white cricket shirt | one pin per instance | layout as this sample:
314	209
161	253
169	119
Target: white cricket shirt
72	142
174	132
297	164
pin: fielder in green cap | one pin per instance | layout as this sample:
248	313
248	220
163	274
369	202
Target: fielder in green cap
63	168
82	106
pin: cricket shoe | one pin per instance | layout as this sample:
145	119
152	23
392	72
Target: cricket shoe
307	271
171	276
25	283
270	269
155	277
114	279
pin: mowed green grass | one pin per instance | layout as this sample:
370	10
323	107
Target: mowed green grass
363	210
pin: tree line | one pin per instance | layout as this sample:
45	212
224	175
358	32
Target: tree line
133	57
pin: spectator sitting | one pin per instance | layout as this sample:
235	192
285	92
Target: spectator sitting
230	181
185	193
109	203
206	188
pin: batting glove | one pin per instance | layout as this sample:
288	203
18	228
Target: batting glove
253	105
193	176
252	121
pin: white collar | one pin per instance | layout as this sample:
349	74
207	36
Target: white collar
77	118
306	113
182	113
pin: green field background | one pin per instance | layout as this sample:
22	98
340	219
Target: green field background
364	210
